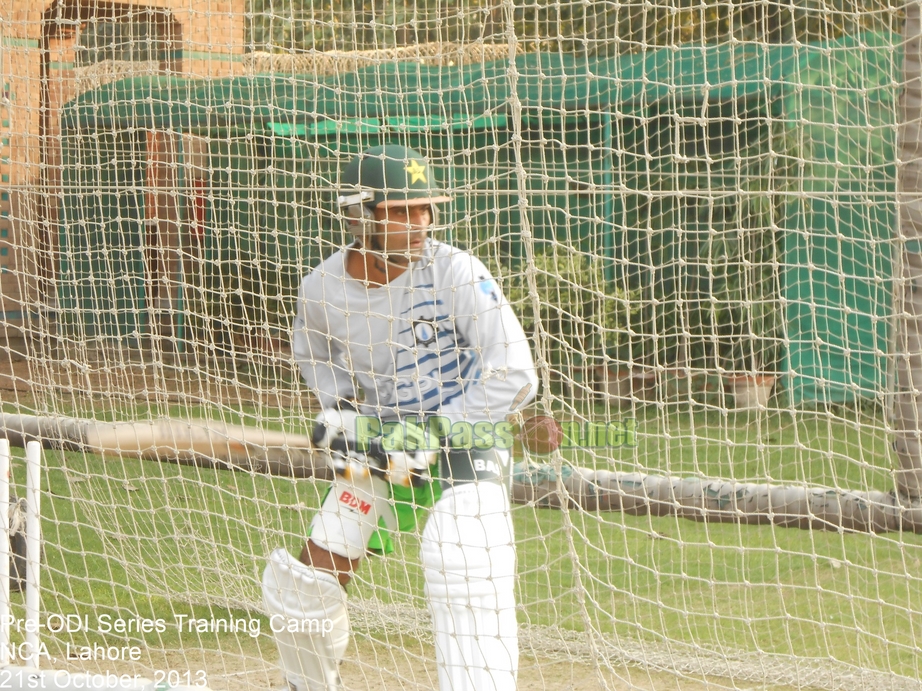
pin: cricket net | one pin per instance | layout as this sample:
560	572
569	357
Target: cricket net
705	215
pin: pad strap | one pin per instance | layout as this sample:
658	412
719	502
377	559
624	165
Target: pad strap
462	466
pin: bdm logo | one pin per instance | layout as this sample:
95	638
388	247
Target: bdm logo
354	503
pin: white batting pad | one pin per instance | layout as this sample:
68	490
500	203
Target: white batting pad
349	515
469	559
307	614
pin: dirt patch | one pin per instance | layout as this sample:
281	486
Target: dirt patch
411	667
146	375
15	374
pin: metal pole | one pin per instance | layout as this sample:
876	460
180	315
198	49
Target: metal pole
5	550
33	546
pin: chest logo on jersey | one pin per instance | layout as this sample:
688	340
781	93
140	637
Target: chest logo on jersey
425	331
488	287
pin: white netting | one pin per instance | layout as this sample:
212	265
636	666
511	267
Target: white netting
694	211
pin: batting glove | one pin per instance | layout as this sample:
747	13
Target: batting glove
404	458
334	432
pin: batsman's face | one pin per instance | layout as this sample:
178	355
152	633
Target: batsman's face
402	230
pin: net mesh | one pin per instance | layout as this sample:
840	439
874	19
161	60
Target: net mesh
693	210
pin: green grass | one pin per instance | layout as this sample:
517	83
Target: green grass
132	538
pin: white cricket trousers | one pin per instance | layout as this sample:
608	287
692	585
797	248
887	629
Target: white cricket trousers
468	556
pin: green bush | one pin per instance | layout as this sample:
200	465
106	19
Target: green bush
577	316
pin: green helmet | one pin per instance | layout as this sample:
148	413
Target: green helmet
388	175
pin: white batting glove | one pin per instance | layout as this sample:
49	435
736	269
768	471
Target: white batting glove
331	424
405	454
334	432
409	468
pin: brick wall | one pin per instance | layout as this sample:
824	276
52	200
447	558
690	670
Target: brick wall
209	43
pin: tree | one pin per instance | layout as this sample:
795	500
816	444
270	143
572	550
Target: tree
557	25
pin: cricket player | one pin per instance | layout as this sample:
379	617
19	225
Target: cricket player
417	359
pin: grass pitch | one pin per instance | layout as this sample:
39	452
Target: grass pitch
134	539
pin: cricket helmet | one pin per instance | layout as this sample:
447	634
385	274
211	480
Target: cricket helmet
385	176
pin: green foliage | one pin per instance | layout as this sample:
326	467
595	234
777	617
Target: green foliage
708	268
745	308
556	25
322	25
565	301
284	25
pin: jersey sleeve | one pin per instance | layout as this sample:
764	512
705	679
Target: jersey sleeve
318	355
487	324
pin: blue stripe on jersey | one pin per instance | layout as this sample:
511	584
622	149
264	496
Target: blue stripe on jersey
417	363
446	399
442	369
425	303
452	396
435	392
467	368
448	366
428	395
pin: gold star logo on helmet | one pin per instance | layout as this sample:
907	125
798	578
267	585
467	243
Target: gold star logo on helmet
417	173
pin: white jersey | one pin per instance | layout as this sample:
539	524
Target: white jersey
439	339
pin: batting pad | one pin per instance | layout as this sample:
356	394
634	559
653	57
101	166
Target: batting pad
307	614
350	514
468	555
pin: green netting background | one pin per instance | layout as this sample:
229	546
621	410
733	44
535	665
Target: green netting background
798	139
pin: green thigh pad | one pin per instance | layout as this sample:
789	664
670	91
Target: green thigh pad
409	505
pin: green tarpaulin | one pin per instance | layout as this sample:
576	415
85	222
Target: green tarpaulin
808	130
